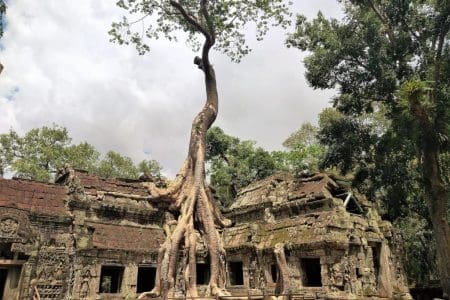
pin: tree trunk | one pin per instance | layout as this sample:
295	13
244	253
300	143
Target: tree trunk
437	199
191	198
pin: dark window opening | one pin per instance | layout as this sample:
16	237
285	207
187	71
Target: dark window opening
110	279
376	260
202	274
311	272
351	204
274	272
3	277
236	273
354	208
5	251
146	279
23	256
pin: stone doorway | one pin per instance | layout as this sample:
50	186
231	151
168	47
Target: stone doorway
3	277
145	279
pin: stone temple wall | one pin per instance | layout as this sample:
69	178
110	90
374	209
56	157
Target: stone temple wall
86	237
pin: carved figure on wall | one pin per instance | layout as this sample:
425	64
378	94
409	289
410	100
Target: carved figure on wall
52	266
8	227
84	287
14	224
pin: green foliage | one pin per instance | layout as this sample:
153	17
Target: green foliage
116	165
40	152
234	164
304	152
389	61
306	135
150	167
223	19
417	241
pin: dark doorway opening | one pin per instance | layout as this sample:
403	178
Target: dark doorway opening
376	250
311	272
5	251
274	272
3	276
110	279
236	273
146	279
202	274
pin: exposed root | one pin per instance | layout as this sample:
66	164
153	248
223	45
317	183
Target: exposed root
283	282
194	201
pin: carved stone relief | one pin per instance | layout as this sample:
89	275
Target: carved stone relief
14	225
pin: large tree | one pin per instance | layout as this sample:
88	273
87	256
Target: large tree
41	152
234	164
221	24
395	54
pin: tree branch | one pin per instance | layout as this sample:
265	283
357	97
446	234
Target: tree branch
383	20
204	11
190	19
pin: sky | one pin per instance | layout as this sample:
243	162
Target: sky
61	68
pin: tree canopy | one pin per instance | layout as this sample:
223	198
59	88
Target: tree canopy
41	152
221	20
390	58
234	163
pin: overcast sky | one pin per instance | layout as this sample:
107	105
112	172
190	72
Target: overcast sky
61	68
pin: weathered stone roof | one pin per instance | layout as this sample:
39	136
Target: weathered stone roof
34	197
92	184
123	237
307	211
284	187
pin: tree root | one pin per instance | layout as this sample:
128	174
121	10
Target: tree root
194	200
283	283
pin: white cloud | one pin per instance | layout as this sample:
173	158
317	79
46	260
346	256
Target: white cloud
61	68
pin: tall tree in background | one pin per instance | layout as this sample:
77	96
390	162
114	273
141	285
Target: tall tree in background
395	53
234	164
2	23
220	23
304	152
41	152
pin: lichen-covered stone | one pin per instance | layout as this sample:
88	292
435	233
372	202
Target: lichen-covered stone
91	238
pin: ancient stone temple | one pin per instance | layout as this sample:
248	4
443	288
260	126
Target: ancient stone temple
86	237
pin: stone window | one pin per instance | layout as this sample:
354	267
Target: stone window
145	278
202	273
236	273
110	279
311	272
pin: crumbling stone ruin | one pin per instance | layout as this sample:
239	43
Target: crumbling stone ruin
86	237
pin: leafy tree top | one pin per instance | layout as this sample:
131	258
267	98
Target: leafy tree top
221	22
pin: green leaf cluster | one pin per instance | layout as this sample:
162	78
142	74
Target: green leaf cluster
234	164
390	63
41	152
227	21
